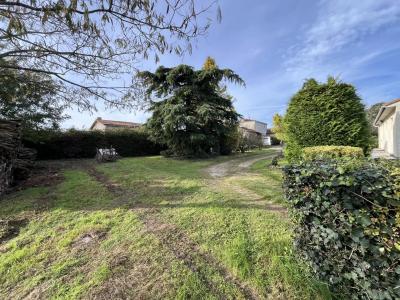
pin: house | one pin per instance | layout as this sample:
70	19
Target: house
256	127
388	123
105	125
250	133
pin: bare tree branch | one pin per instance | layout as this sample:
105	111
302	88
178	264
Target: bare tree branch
85	44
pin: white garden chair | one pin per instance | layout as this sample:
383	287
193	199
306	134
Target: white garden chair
104	155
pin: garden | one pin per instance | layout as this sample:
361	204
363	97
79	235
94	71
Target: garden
318	222
189	206
170	229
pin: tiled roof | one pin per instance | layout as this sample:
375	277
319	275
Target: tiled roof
249	130
119	123
392	102
116	123
383	108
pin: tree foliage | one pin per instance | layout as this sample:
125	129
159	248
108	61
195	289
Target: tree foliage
372	112
88	46
248	141
278	127
328	113
209	64
191	116
31	98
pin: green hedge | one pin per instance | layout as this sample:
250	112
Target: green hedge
347	225
325	113
83	144
322	152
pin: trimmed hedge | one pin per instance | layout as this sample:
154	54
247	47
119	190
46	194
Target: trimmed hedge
325	113
322	152
347	216
83	144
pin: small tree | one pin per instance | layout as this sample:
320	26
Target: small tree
278	127
325	114
191	115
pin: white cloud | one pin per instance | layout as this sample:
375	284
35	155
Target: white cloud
339	25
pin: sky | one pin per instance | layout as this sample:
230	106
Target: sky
276	45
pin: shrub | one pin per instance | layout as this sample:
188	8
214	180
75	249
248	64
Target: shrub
83	144
322	152
394	168
248	140
292	151
325	114
229	142
347	225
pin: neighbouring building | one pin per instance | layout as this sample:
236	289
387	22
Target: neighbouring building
105	125
250	134
388	123
255	127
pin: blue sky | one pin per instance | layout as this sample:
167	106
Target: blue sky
275	45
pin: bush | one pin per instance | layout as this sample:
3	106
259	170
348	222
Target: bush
322	152
394	168
248	141
292	152
325	114
83	144
347	225
229	142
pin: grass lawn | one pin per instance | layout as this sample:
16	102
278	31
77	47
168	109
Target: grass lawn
151	228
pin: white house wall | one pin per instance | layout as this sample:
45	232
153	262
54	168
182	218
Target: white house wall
386	135
254	125
248	124
99	126
261	128
396	134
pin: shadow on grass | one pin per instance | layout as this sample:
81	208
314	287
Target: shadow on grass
152	182
80	192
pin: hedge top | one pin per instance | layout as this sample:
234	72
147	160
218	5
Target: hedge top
321	152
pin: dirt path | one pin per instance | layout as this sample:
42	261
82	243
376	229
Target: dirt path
239	167
236	165
256	199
